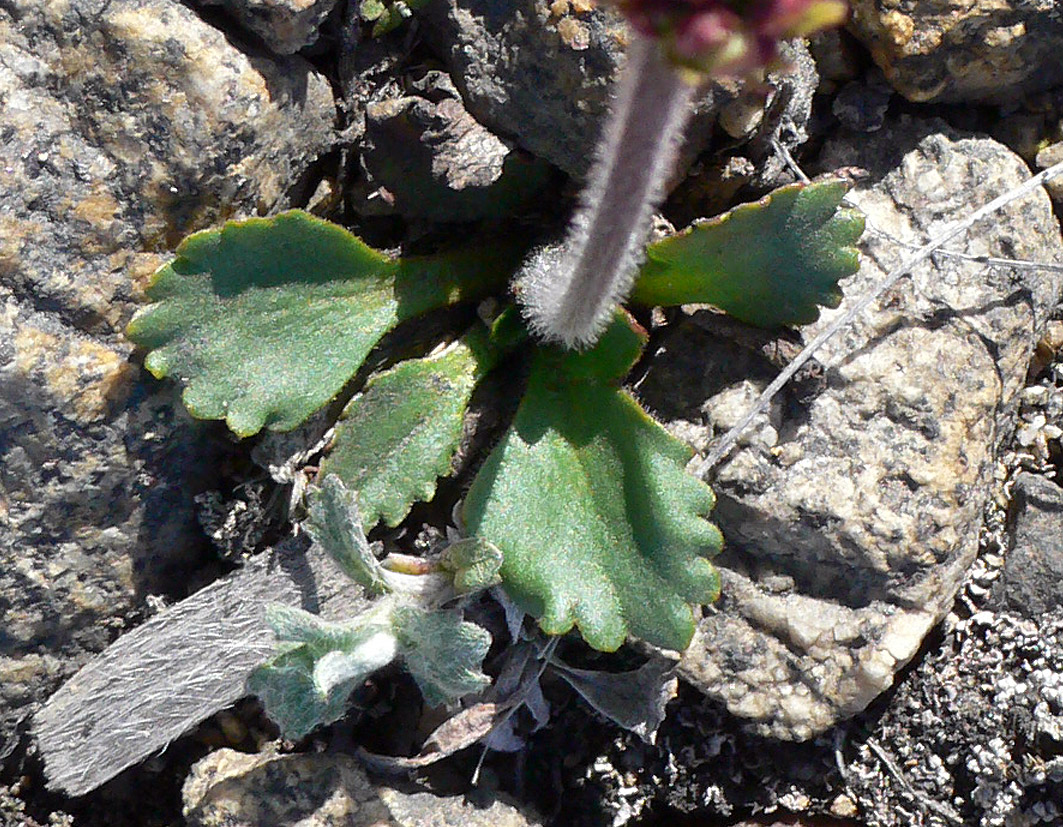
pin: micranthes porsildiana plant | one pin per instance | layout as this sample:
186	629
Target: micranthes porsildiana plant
583	511
569	291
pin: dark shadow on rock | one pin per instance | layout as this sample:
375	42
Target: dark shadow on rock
176	458
820	566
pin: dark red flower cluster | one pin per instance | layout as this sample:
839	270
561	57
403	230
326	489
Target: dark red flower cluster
729	37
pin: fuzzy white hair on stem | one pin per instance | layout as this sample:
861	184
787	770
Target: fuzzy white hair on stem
568	292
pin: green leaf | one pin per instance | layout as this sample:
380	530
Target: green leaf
587	498
401	433
265	320
769	263
335	525
371	10
443	653
393	17
475	563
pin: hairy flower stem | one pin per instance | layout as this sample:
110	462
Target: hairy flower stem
569	292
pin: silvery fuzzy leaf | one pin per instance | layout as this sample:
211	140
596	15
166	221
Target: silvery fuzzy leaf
442	652
285	685
337	668
336	526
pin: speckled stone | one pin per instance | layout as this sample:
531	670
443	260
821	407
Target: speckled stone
963	50
124	126
853	510
232	789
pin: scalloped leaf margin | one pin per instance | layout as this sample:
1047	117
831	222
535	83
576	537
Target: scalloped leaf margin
770	263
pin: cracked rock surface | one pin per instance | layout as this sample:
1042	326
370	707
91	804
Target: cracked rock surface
852	512
541	73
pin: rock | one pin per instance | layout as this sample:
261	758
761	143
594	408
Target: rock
428	810
1048	157
424	156
941	50
1024	133
1032	582
126	124
231	789
95	506
527	73
541	73
286	26
853	512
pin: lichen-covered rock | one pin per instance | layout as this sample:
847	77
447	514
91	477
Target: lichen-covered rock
853	510
232	789
542	73
125	125
94	510
286	26
971	50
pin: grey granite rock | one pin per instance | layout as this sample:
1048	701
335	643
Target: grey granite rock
231	789
528	74
852	510
1050	156
96	508
286	26
541	74
1032	580
971	50
428	810
128	125
423	156
125	125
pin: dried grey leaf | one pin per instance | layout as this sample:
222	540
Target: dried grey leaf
634	700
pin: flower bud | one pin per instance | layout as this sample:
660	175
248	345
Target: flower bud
729	37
